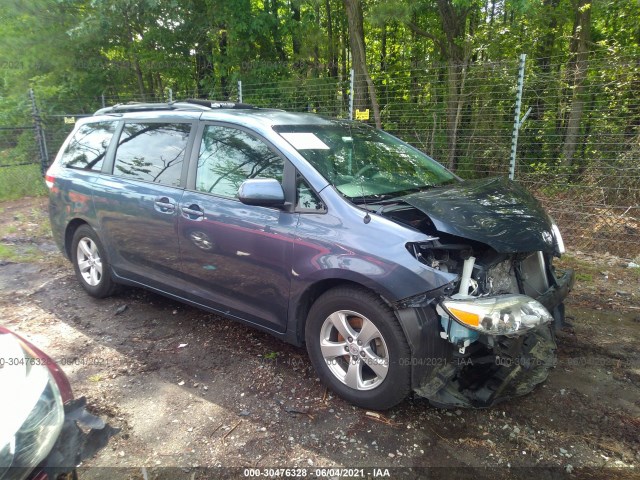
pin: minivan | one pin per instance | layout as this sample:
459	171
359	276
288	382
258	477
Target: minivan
396	274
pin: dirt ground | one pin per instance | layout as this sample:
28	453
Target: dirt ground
191	390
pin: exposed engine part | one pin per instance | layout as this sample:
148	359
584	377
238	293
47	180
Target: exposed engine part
465	279
491	273
500	278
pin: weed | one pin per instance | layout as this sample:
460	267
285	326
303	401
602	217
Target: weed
584	277
19	253
20	181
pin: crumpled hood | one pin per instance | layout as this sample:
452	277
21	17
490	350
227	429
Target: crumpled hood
494	211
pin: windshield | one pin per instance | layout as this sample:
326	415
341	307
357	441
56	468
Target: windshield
363	163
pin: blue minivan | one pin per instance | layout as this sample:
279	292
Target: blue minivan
397	275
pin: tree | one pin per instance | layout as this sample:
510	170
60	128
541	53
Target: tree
578	64
359	58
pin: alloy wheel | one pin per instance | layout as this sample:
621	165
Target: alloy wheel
354	350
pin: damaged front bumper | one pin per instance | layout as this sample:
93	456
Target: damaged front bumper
460	362
81	437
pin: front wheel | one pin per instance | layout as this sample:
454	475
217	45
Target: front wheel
90	263
358	348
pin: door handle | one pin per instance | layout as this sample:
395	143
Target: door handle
192	212
164	205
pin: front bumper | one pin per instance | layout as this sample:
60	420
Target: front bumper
493	368
76	444
553	298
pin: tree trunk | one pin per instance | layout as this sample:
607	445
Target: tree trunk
453	25
359	59
316	47
134	56
222	45
414	83
201	72
343	64
295	35
383	49
138	70
272	8
332	69
578	69
543	55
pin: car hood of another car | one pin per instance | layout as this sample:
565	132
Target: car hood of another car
494	211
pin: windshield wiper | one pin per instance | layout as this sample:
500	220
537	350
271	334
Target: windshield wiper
374	198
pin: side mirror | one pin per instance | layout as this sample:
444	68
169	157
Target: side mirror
263	192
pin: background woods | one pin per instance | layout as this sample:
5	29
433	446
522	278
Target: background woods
441	74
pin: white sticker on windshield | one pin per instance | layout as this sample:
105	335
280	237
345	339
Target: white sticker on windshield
304	141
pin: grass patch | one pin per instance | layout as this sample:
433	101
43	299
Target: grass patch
24	226
21	181
584	277
584	267
19	253
27	222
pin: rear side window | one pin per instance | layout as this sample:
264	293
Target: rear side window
88	146
152	152
229	156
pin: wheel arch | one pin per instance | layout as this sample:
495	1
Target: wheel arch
69	232
301	303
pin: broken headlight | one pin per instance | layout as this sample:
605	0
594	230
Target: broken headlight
31	410
498	315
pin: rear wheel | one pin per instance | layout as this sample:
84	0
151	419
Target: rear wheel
358	348
90	263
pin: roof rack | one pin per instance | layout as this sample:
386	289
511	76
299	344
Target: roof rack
189	104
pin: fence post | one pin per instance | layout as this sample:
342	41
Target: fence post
239	91
516	118
170	95
102	97
351	85
41	141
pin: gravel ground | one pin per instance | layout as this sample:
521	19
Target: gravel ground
198	396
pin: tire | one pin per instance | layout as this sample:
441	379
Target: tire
371	372
90	263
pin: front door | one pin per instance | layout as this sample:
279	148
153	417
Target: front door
236	258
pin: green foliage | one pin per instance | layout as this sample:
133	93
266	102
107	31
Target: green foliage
294	54
20	181
18	253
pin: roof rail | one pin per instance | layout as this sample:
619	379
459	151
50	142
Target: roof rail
189	104
219	104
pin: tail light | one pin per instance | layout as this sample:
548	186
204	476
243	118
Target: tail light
49	180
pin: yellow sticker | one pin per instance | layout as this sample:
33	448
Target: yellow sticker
362	115
69	119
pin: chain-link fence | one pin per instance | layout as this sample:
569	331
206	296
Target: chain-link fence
20	165
578	133
575	143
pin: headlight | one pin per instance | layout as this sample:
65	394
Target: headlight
31	409
557	237
498	315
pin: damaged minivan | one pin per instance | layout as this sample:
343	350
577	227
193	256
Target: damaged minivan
395	274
